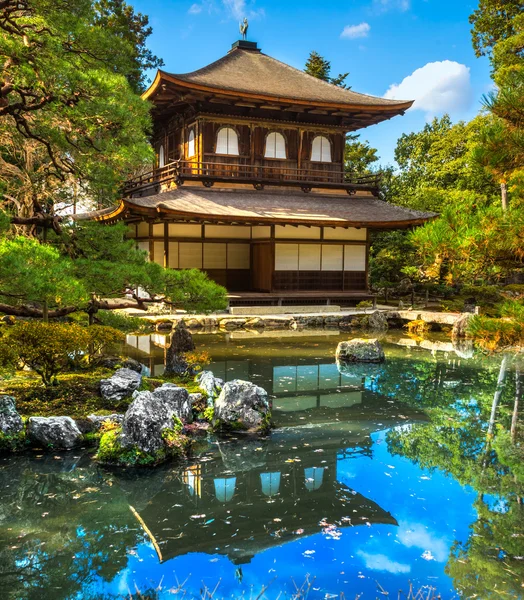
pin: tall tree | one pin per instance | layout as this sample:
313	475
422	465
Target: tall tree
67	111
359	156
493	21
319	67
134	29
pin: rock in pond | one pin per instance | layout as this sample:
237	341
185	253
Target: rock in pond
360	350
97	421
210	385
242	406
151	413
10	421
58	433
460	327
120	385
377	321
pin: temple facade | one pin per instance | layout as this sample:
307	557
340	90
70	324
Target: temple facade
250	183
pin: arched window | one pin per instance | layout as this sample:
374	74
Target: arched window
161	160
275	146
191	143
321	149
227	141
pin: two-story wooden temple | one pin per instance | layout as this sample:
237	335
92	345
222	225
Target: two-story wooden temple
250	185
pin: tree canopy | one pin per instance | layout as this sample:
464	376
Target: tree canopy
70	122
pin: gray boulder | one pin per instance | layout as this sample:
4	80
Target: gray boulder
460	327
98	420
377	321
10	421
242	405
210	385
59	433
151	413
120	385
360	350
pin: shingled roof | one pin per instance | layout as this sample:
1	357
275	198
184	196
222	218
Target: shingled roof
251	72
292	207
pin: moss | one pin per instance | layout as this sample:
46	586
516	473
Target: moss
15	442
111	452
238	426
92	438
209	414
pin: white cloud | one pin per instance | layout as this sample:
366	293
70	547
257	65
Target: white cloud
195	9
416	535
355	31
380	562
238	9
386	5
437	88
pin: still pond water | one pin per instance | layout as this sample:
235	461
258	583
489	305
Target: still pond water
377	474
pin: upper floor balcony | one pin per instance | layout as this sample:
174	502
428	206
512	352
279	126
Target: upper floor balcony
229	170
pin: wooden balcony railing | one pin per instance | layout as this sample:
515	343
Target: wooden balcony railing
241	171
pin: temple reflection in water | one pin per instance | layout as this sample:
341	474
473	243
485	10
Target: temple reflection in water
247	495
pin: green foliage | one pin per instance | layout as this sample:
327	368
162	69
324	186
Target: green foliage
317	66
69	111
14	442
508	330
390	252
47	348
478	242
493	22
132	28
31	272
101	337
192	290
51	348
111	451
122	321
209	414
358	156
437	160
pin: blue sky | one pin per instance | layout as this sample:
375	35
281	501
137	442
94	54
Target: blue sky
406	49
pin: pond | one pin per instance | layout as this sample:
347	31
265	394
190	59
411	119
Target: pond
375	479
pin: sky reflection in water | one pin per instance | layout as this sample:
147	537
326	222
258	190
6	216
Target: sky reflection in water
329	494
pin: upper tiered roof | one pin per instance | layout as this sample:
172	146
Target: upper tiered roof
246	73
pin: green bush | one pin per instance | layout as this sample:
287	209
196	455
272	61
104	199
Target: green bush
121	321
47	348
100	337
493	333
51	348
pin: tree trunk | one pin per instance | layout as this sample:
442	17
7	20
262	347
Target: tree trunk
504	195
515	415
497	395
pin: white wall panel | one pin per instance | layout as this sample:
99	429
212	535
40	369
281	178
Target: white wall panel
341	233
286	257
214	256
173	255
309	257
293	233
158	230
143	229
190	255
261	232
238	256
158	252
183	230
230	232
354	258
332	257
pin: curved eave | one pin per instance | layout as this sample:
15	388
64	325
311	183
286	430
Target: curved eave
163	211
114	215
162	77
